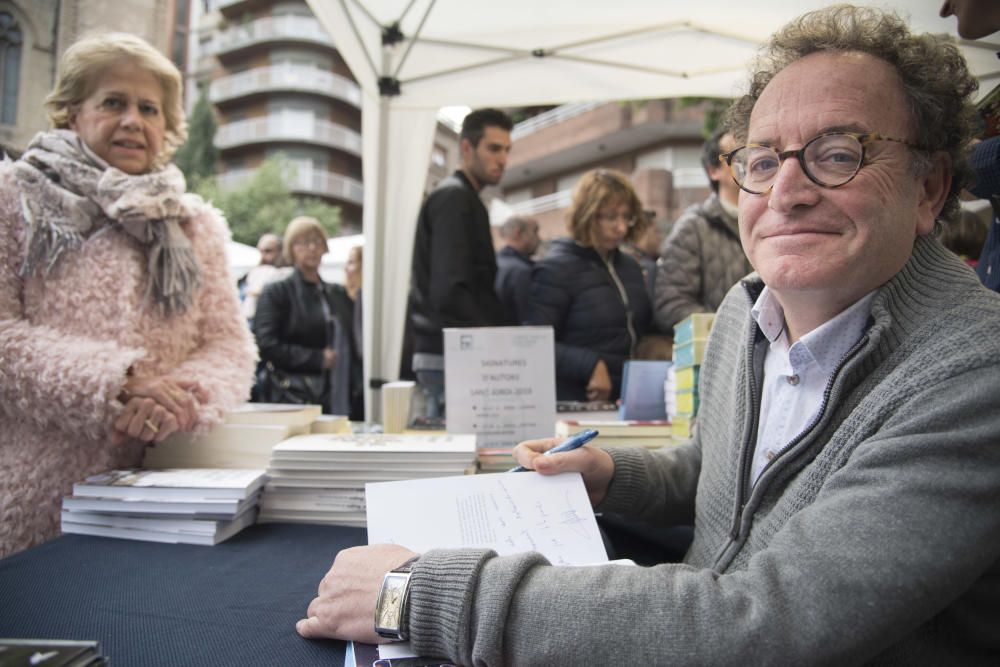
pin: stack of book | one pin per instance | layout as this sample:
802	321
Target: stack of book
190	506
495	459
321	478
652	434
500	459
245	439
596	410
690	339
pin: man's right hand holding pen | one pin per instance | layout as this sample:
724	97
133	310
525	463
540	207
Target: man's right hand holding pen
595	464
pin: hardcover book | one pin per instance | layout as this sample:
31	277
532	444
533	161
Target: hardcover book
642	389
50	653
634	428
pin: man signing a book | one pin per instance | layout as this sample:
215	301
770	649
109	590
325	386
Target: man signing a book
843	480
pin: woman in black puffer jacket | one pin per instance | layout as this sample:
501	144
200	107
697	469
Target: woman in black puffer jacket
591	293
304	330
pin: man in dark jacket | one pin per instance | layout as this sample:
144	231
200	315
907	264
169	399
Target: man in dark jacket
454	266
514	266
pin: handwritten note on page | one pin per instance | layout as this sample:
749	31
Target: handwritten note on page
509	513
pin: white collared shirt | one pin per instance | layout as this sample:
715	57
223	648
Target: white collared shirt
796	376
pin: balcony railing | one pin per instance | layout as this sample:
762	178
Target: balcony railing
315	182
684	178
270	28
288	128
552	202
552	117
285	77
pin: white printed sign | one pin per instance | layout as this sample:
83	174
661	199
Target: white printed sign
500	383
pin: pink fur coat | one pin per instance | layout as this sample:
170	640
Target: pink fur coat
66	342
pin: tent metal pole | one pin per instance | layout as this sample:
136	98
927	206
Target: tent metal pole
357	33
377	375
414	38
557	52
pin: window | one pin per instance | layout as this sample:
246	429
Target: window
10	67
439	158
179	42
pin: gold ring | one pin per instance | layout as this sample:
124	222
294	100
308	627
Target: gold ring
151	426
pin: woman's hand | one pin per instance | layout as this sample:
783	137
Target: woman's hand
596	465
329	357
599	387
145	420
157	407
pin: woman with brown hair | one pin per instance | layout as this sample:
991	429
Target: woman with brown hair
590	292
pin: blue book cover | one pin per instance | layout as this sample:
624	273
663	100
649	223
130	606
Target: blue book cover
642	390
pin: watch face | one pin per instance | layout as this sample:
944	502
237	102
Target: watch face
389	606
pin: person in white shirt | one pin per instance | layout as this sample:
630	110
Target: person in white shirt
269	246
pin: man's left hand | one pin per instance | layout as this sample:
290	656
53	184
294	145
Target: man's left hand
345	606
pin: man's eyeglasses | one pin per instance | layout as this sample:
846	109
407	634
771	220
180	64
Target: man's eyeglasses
829	160
611	218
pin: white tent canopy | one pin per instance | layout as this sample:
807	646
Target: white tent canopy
412	57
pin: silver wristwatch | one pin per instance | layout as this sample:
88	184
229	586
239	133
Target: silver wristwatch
391	607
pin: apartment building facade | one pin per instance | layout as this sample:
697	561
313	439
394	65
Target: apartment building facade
34	34
657	143
278	85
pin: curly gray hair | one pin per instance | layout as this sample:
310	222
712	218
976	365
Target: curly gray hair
935	79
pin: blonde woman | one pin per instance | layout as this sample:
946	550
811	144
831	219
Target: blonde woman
119	323
304	331
590	292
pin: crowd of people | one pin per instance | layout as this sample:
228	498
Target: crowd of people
842	481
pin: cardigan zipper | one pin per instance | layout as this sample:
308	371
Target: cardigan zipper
822	406
747	458
750	442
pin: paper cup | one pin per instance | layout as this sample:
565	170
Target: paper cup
396	397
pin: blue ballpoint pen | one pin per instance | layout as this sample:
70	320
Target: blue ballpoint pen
578	440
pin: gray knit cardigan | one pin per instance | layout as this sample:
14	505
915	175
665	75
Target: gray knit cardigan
874	538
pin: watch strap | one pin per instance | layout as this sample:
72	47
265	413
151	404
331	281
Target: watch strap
407	566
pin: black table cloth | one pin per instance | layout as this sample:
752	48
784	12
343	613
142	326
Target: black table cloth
164	604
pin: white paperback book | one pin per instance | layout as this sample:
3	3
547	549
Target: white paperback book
171	531
202	508
172	484
387	446
509	513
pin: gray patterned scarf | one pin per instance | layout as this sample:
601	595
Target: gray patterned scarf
68	194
